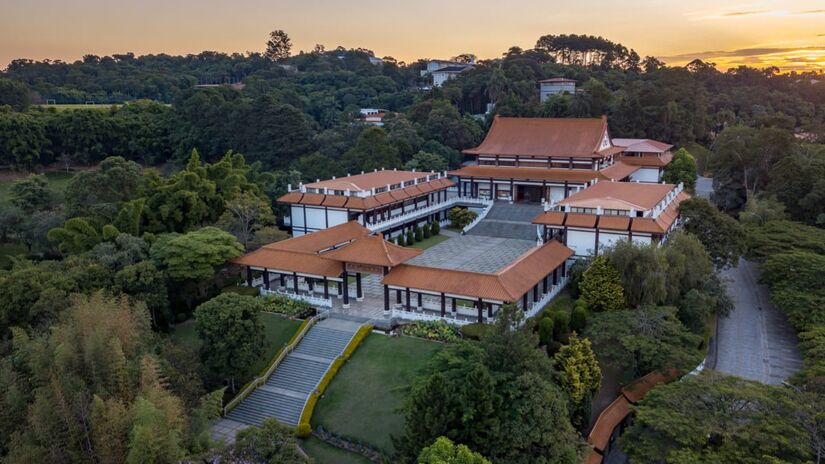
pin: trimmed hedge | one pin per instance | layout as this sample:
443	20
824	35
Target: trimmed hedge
304	428
432	330
473	331
281	304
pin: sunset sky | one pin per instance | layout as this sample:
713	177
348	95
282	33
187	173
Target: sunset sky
789	34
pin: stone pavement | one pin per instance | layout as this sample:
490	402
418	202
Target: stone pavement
755	341
509	220
473	253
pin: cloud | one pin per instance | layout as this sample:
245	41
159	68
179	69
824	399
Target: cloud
807	12
744	13
786	58
742	52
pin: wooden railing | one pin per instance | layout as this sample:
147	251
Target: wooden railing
258	381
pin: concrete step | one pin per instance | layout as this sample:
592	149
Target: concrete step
262	405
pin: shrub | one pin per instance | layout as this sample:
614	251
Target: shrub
578	319
419	234
461	217
473	331
427	230
410	237
400	240
432	330
241	290
283	305
436	228
545	331
561	321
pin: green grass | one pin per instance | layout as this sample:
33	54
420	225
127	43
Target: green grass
278	331
363	401
429	242
562	302
323	453
58	180
7	250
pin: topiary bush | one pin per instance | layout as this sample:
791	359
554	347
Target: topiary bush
400	240
436	228
427	230
561	322
419	234
578	318
410	237
546	331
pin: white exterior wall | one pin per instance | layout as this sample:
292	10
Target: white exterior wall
583	243
642	240
315	218
607	239
557	193
441	77
548	89
297	216
646	175
336	217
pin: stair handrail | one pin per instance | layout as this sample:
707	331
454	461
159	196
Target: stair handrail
258	381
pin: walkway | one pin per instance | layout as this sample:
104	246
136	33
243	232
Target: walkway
704	187
473	253
506	220
286	391
755	341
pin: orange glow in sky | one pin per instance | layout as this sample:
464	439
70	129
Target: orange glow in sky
789	34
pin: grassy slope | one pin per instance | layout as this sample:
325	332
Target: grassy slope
278	332
58	180
363	400
323	453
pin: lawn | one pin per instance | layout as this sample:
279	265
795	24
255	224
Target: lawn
323	453
278	331
429	242
58	180
363	400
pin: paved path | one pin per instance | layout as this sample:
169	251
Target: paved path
755	341
509	220
704	187
473	253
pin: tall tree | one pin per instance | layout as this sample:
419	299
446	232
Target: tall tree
600	286
232	335
278	45
582	376
722	236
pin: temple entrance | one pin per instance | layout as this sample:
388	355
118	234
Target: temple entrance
528	193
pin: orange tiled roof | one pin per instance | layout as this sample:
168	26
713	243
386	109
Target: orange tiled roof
544	137
649	161
507	172
637	389
619	195
373	250
612	416
593	457
369	180
291	261
365	203
508	284
580	220
322	239
614	222
642	145
618	171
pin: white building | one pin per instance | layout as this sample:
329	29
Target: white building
554	86
650	156
606	212
444	70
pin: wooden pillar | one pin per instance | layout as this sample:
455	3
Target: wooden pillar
544	285
248	276
345	284
386	297
564	269
310	283
489	309
359	294
443	305
407	298
512	190
295	281
420	303
555	276
282	277
266	279
453	306
480	306
536	293
524	301
326	287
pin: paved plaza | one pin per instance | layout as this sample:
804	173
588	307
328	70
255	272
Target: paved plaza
473	253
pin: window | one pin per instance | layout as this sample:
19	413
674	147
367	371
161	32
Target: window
576	209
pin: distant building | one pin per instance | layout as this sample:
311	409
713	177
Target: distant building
554	86
374	116
444	70
375	60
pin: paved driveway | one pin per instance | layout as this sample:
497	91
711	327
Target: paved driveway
755	341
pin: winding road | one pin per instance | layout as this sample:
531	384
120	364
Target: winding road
755	341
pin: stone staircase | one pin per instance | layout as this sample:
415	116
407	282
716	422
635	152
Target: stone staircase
287	389
505	220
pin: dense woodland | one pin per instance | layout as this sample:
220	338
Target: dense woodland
169	181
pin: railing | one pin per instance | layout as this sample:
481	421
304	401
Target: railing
313	300
488	206
539	305
251	386
421	316
425	210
